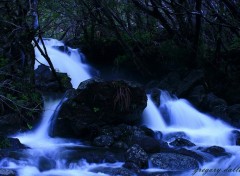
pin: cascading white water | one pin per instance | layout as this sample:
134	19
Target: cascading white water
42	145
151	116
183	117
201	129
70	63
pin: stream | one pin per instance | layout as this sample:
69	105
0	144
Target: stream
172	116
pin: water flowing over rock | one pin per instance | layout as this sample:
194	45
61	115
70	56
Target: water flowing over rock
7	172
97	103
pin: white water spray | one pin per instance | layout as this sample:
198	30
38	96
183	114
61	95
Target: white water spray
151	116
70	63
183	117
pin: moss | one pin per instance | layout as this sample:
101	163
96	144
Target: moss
4	143
3	61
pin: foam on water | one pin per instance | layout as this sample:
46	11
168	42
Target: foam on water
181	116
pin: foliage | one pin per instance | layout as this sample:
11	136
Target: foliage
4	143
122	98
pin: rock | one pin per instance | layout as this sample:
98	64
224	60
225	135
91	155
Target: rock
45	80
174	135
137	155
120	145
188	83
181	142
92	155
10	143
236	137
148	131
45	164
63	48
96	104
211	101
132	166
103	141
113	171
173	161
148	144
162	173
234	114
192	154
7	172
155	96
170	82
231	92
215	151
197	95
215	105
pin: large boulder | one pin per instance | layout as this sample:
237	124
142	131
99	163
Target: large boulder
46	81
234	114
98	103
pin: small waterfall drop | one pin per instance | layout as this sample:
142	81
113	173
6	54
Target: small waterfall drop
69	62
181	116
152	118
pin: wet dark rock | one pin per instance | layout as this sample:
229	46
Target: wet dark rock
230	94
211	101
93	155
234	114
45	80
166	173
148	131
63	48
192	79
175	135
196	96
45	163
7	172
236	136
103	141
148	144
181	142
191	153
215	151
114	171
10	143
132	166
173	161
120	145
155	96
137	155
96	104
170	82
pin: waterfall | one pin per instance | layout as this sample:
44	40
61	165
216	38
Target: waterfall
152	118
180	116
172	116
68	61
